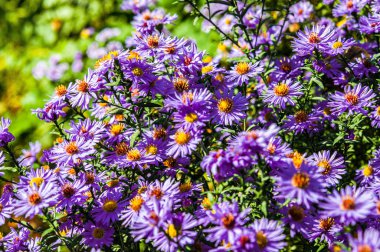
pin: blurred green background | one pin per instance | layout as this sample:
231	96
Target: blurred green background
34	30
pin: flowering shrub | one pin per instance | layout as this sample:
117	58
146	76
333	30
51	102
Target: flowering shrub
269	146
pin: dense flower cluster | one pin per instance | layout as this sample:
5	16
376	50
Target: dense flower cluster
162	146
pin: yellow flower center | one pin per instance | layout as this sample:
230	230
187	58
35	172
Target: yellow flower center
325	165
116	129
378	111
367	171
172	231
281	89
137	71
98	233
242	68
261	239
337	45
191	117
301	180
271	148
133	55
36	181
109	205
207	69
134	155
225	105
106	58
206	203
136	203
185	187
60	90
297	159
348	203
151	149
182	137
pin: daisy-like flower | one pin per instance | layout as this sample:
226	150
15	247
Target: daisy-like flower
326	229
97	236
242	72
36	178
300	12
340	45
366	240
351	100
330	166
348	206
297	218
348	7
302	122
283	93
269	235
179	229
110	206
87	129
138	71
302	185
129	215
5	136
72	152
162	191
375	116
33	200
183	143
229	108
81	91
28	157
71	194
368	174
6	210
228	220
316	38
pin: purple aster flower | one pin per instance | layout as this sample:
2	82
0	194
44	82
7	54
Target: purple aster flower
329	165
269	235
190	60
33	200
348	7
137	6
375	117
370	25
349	206
71	194
286	68
28	157
351	100
82	91
229	108
363	67
297	218
150	220
283	93
368	174
72	152
6	210
341	45
87	129
227	22
191	120
36	178
162	191
138	71
228	220
51	112
316	38
300	12
243	72
366	240
303	185
16	241
109	207
179	229
302	122
326	229
5	136
183	143
97	235
131	213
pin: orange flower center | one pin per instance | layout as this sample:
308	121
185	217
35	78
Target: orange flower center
301	180
228	221
136	203
297	213
325	165
181	84
314	38
242	68
152	41
82	86
61	90
351	98
71	148
35	199
134	155
326	224
301	116
121	149
281	89
261	239
182	137
348	203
